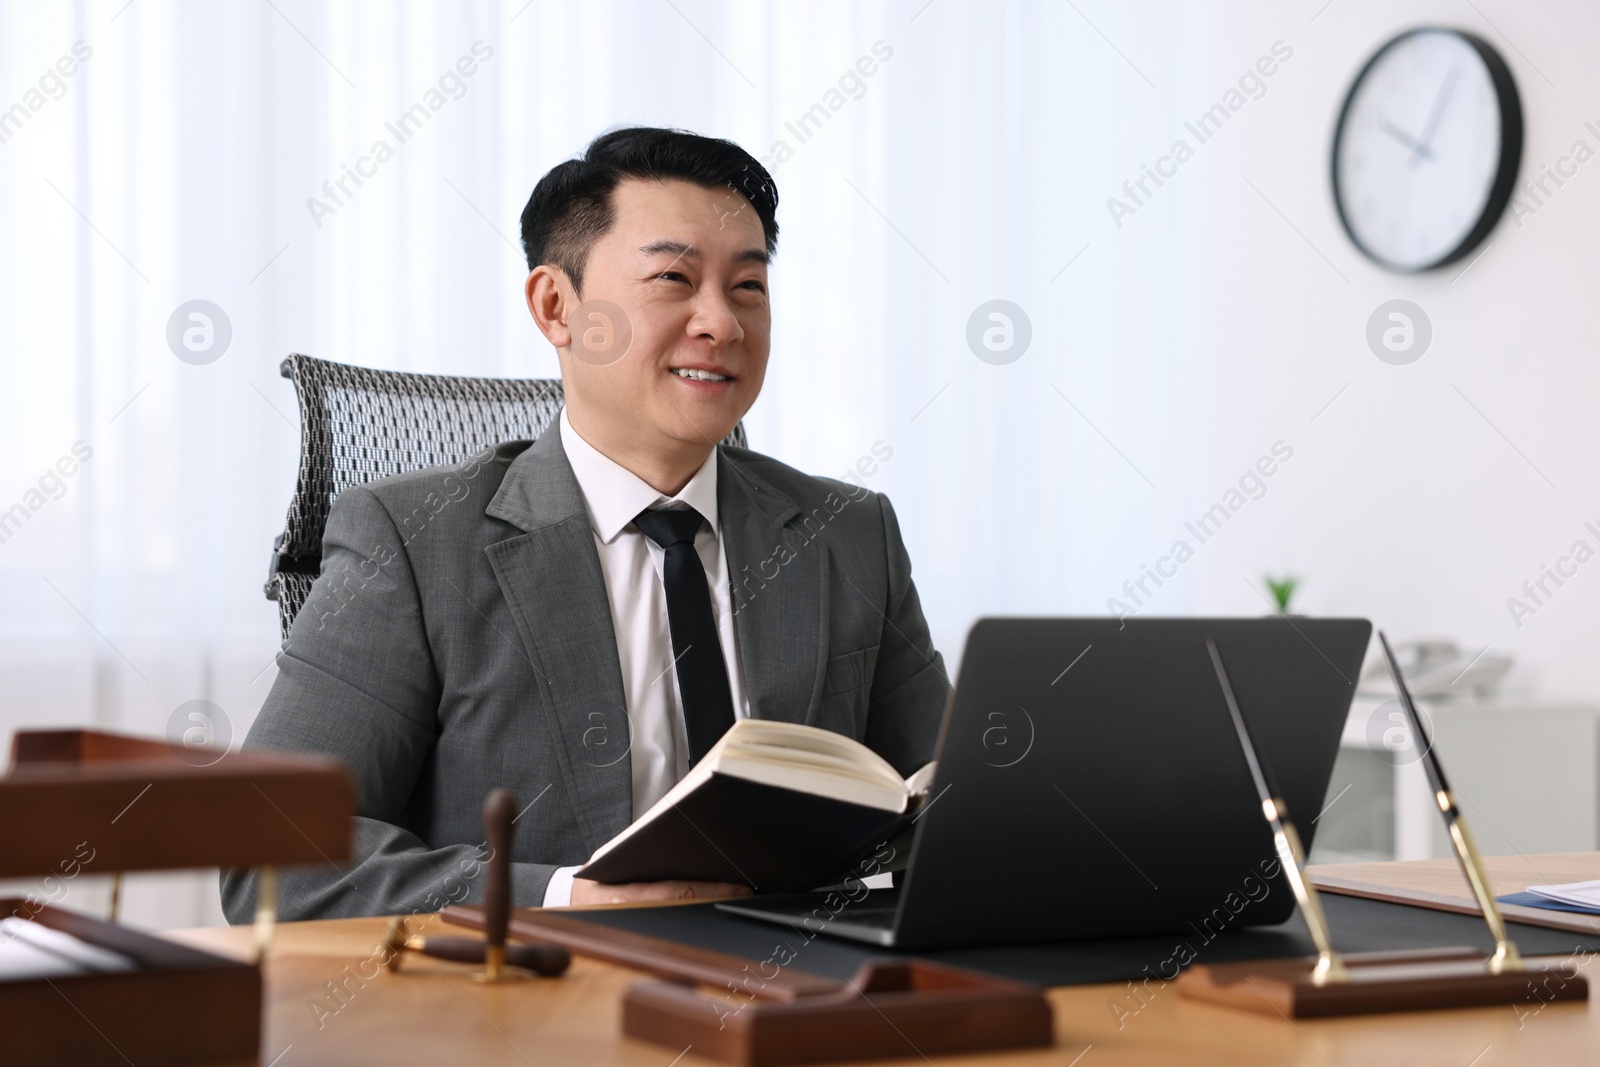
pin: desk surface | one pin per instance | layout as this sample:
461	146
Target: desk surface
320	1010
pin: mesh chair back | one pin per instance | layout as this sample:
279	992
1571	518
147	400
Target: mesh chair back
357	424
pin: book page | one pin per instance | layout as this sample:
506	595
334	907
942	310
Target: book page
921	780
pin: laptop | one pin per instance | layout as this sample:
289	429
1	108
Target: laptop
1090	784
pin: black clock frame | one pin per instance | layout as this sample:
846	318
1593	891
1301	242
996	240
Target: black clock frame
1505	179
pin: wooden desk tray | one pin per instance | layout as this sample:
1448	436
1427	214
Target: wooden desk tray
181	1006
108	802
890	1008
1382	982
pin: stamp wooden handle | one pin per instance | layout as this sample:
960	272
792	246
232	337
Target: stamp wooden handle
499	809
547	960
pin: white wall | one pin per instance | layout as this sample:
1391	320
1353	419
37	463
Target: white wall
1403	503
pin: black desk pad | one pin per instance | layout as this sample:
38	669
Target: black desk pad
1358	925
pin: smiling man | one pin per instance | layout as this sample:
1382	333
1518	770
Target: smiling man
588	613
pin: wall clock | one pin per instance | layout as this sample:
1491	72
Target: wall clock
1426	151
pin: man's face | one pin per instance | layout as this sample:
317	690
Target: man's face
687	267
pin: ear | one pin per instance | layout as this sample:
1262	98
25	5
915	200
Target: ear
551	300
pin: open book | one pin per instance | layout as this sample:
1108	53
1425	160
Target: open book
775	805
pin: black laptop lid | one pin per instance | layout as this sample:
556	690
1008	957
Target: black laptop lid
1090	782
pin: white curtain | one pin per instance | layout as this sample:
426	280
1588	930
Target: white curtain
930	157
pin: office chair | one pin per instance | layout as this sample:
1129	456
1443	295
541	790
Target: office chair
358	424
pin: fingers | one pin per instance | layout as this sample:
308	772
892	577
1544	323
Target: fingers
711	890
684	890
587	892
732	889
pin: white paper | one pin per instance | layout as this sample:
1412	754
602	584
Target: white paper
22	960
30	942
1580	894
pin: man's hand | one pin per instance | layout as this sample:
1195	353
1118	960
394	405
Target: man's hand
585	891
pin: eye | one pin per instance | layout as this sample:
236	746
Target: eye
673	276
752	284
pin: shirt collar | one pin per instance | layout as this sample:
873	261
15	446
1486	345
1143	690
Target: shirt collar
613	494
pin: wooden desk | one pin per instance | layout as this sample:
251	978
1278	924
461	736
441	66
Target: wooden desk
322	1010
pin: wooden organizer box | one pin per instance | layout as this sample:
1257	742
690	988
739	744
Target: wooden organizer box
145	805
77	802
180	1006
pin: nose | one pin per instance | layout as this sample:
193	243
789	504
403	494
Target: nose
715	320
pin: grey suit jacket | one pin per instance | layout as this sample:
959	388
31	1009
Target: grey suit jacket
459	639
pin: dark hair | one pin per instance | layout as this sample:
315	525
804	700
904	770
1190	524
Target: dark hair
571	206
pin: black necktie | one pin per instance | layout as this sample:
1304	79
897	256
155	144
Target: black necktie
702	673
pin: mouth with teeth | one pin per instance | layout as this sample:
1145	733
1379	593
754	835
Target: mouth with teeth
693	375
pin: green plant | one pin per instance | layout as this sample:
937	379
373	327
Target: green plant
1282	590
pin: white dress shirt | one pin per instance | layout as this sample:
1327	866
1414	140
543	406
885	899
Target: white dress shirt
631	565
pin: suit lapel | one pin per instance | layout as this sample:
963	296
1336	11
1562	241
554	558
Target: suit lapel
550	576
780	595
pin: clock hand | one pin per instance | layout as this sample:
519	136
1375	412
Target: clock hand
1404	138
1432	126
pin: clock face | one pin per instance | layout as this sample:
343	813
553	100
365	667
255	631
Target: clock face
1427	149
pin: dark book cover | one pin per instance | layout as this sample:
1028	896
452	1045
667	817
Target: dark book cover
734	830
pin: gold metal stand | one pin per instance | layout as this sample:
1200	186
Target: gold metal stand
266	910
1378	981
114	912
1285	839
1292	856
1505	956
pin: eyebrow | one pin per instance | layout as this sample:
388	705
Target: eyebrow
683	251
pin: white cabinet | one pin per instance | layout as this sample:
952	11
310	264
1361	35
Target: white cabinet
1526	774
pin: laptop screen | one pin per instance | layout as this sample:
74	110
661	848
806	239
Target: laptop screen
1091	784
